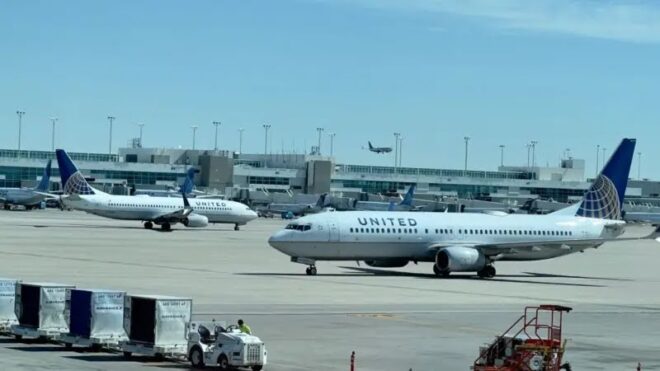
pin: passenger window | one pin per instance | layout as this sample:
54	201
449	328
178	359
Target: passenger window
351	230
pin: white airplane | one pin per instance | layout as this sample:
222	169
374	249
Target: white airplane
163	211
463	242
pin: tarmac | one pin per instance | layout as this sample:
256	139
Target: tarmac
394	319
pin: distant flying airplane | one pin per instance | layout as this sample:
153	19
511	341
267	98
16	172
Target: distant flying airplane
464	242
31	198
379	149
163	211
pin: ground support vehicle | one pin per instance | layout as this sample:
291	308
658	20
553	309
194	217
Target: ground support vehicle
39	308
95	318
533	343
7	304
156	325
211	343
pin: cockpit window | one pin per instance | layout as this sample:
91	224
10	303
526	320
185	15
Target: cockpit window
299	227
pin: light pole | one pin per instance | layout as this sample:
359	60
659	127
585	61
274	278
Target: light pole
529	149
53	120
639	165
320	130
110	120
240	140
266	128
534	143
216	124
140	125
332	143
400	150
194	130
396	150
597	158
604	149
467	140
502	154
20	126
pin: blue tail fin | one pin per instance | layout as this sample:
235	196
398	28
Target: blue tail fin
321	201
370	146
408	198
73	182
604	200
44	184
188	184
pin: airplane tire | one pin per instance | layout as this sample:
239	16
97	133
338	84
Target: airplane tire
440	273
166	227
236	227
148	225
311	271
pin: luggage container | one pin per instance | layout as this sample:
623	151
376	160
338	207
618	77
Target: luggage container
156	325
40	310
95	317
7	304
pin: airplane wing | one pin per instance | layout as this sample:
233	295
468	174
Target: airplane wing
514	247
178	215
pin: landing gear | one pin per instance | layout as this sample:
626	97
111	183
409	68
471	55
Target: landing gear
439	272
148	225
7	207
311	270
236	227
166	226
487	272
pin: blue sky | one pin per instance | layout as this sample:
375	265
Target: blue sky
569	74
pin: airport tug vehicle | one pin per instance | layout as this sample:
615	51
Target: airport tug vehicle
533	343
211	343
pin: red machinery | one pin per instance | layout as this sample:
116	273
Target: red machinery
533	343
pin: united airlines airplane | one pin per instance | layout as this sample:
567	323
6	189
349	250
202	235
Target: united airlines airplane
163	211
463	242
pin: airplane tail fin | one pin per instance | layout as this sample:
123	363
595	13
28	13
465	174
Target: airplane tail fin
188	184
604	199
73	182
370	146
321	201
44	184
391	206
408	198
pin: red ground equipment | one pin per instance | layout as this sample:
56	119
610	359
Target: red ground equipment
533	343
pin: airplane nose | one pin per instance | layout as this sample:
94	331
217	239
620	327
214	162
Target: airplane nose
277	240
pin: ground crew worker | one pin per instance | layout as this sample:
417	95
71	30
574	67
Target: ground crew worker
244	328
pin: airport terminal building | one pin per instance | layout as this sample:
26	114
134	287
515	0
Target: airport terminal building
258	177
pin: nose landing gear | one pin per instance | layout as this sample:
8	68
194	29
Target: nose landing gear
236	227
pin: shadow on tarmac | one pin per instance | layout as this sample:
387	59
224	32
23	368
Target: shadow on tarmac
370	272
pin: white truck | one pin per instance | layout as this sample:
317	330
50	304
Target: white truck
211	343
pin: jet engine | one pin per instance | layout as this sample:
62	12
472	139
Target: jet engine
195	221
387	263
460	259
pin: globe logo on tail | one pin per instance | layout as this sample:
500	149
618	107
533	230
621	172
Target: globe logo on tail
77	185
601	200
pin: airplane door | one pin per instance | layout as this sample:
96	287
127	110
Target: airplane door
334	232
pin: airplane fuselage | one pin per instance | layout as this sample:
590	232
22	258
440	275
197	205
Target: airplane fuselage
417	236
18	196
148	208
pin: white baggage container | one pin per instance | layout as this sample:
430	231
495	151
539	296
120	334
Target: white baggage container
95	317
7	304
156	325
40	310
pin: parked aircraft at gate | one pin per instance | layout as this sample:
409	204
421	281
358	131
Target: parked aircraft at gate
463	242
163	211
28	197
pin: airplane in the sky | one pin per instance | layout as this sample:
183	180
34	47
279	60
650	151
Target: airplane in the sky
30	198
379	149
463	242
163	211
406	203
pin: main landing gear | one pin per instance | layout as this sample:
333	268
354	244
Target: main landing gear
236	227
148	225
166	227
311	270
487	272
439	272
